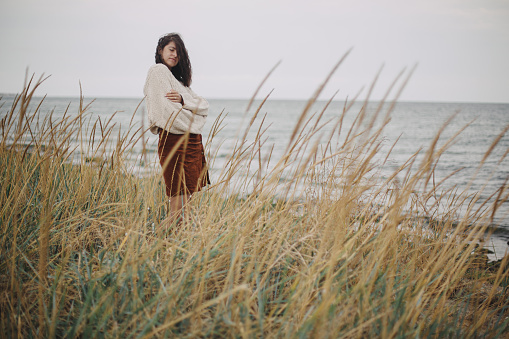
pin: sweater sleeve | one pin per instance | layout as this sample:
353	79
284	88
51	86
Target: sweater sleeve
195	103
161	111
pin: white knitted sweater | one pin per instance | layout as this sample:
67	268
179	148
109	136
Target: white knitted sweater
171	116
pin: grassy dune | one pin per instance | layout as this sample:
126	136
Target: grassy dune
86	248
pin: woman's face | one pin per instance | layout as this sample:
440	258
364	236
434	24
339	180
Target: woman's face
169	55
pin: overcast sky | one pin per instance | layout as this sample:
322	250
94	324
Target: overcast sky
461	47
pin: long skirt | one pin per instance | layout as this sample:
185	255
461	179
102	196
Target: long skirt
185	172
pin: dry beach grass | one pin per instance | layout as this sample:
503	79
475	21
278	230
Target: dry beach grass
85	247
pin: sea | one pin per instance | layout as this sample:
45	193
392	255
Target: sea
412	129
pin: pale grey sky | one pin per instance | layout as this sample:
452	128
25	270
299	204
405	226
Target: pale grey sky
461	46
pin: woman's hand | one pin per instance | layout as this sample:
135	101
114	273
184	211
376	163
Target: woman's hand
174	96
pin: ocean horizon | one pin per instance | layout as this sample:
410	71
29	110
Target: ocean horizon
259	98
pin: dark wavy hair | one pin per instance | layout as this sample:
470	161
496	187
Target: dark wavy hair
182	71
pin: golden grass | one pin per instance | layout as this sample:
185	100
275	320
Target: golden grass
87	250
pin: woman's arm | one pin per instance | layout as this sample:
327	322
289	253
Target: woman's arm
174	96
185	95
161	111
195	103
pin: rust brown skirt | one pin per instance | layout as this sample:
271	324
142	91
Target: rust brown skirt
186	171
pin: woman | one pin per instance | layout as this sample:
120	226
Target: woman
178	115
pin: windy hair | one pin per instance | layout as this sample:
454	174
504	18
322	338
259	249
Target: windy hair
182	71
